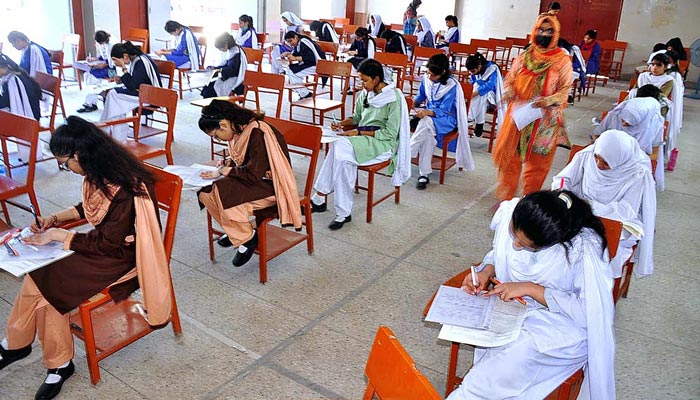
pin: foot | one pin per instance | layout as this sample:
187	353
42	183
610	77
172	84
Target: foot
224	241
595	121
88	108
308	95
478	130
338	222
423	182
7	357
245	251
318	208
54	381
570	99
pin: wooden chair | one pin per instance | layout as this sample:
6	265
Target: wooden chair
397	62
254	57
331	70
166	69
485	47
159	101
392	373
411	41
503	50
330	50
622	96
107	327
56	57
350	32
138	37
273	240
459	53
618	49
422	55
262	39
396	27
51	87
380	44
72	40
341	21
607	54
21	131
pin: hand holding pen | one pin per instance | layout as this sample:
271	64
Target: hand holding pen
476	282
510	290
41	224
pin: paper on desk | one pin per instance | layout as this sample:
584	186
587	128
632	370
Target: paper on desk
29	258
454	306
506	322
328	135
190	175
525	115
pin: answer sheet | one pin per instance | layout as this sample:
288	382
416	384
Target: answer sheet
454	306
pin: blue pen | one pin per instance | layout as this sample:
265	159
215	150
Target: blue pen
36	217
335	119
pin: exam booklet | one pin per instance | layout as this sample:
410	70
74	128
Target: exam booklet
190	175
30	258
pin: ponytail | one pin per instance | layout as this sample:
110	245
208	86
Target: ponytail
119	49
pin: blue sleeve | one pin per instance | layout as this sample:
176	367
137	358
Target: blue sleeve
488	85
421	95
446	105
24	61
455	38
231	67
181	49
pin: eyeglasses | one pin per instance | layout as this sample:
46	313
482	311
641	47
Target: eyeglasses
64	165
549	31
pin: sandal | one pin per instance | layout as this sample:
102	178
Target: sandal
422	182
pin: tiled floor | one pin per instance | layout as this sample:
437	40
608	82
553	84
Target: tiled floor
307	332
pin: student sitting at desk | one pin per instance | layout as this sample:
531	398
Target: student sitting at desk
291	23
103	70
137	68
395	42
20	95
488	91
452	34
247	37
375	26
444	112
34	57
119	202
362	48
325	32
549	248
424	32
233	67
186	54
303	57
258	175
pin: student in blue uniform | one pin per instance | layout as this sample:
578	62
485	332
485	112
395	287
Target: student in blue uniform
233	67
103	70
452	34
34	57
303	57
247	37
291	23
186	54
488	90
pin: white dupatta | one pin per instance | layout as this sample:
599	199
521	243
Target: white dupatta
450	32
192	47
492	68
390	94
374	28
224	87
152	73
329	28
19	104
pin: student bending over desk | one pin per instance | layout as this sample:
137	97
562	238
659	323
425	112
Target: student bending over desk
233	66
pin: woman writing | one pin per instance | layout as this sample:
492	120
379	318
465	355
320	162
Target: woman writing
381	116
233	67
119	202
549	248
186	54
258	175
291	23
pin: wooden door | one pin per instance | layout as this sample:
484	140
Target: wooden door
578	16
132	14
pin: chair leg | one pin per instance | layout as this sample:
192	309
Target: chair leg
309	229
6	212
370	196
33	201
616	290
262	251
210	239
443	161
175	317
628	278
452	369
90	347
169	156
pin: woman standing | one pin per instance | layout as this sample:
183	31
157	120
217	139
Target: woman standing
119	202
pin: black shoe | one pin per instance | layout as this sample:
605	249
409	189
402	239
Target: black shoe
335	225
10	356
422	183
50	390
224	241
570	99
241	258
88	108
478	130
318	208
307	96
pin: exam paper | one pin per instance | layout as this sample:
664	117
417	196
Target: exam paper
525	115
328	135
31	257
454	306
190	175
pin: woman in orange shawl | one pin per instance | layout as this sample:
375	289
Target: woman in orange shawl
540	76
258	175
119	201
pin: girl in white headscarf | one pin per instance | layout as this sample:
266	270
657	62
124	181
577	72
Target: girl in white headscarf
375	27
426	36
614	175
290	23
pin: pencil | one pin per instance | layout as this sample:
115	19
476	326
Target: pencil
497	282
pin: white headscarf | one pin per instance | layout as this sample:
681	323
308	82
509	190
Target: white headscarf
435	91
450	32
425	25
329	28
628	182
192	47
374	28
390	94
644	116
296	22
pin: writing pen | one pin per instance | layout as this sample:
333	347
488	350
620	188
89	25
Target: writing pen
497	282
36	217
11	250
473	272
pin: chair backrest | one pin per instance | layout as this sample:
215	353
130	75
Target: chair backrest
168	190
255	80
138	35
396	27
262	38
575	148
392	373
334	69
50	85
329	48
411	40
20	131
166	69
341	21
56	57
380	44
485	47
254	57
350	31
468	90
396	62
202	43
622	96
460	52
613	230
423	54
301	139
73	40
159	100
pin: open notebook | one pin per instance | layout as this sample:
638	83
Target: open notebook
29	258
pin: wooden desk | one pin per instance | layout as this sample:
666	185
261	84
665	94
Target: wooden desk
205	102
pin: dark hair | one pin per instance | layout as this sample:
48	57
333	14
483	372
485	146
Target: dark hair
662	57
439	64
16	35
290	34
555	217
554	5
564	44
225	39
102	37
677	46
362	32
452	18
372	68
475	60
119	49
591	33
659	47
222	109
649	90
34	88
388	35
104	160
172	26
317	26
247	19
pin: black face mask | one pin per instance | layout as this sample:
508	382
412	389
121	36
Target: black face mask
543	41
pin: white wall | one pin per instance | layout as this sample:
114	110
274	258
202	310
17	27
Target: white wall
106	17
484	19
43	21
392	11
646	22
